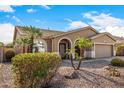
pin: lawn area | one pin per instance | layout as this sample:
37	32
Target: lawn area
92	75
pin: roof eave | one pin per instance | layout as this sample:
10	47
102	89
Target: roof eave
73	31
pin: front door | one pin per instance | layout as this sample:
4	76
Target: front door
62	50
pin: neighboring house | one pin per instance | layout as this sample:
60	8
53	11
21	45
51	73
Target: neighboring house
58	41
119	40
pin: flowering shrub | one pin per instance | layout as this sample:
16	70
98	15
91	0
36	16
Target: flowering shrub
34	69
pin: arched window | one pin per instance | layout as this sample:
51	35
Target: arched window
39	46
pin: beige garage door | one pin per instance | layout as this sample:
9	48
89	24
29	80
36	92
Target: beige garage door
103	51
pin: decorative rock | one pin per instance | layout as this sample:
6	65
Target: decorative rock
74	75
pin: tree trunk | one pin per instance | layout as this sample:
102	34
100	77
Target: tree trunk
23	49
81	57
31	46
71	57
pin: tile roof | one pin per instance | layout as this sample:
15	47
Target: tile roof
46	32
53	33
76	30
104	33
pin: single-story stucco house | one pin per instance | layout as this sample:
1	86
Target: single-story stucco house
58	41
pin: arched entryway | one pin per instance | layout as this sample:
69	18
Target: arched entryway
63	45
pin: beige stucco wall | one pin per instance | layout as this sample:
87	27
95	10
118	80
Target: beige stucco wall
49	45
72	37
104	39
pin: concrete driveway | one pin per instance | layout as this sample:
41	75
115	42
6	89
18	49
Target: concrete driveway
92	63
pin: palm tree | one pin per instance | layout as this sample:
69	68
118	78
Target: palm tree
33	33
83	44
70	53
23	42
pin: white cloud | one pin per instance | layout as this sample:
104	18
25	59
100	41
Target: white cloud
115	30
106	23
31	10
46	7
16	19
76	24
6	32
6	8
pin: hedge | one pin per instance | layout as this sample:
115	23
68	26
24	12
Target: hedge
34	69
117	62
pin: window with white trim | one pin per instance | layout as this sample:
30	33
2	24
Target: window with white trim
39	46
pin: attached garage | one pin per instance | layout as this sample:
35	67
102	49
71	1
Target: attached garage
102	50
103	45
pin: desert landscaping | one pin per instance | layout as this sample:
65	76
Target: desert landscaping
93	74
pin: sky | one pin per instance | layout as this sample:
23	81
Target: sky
61	17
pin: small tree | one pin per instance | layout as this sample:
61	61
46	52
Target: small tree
119	49
23	42
83	44
33	33
70	53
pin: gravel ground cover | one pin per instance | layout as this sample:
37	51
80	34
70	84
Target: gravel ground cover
92	75
89	78
5	75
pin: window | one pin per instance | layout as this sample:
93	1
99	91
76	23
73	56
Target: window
39	46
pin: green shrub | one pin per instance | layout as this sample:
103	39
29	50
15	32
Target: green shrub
117	62
119	50
34	69
9	54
